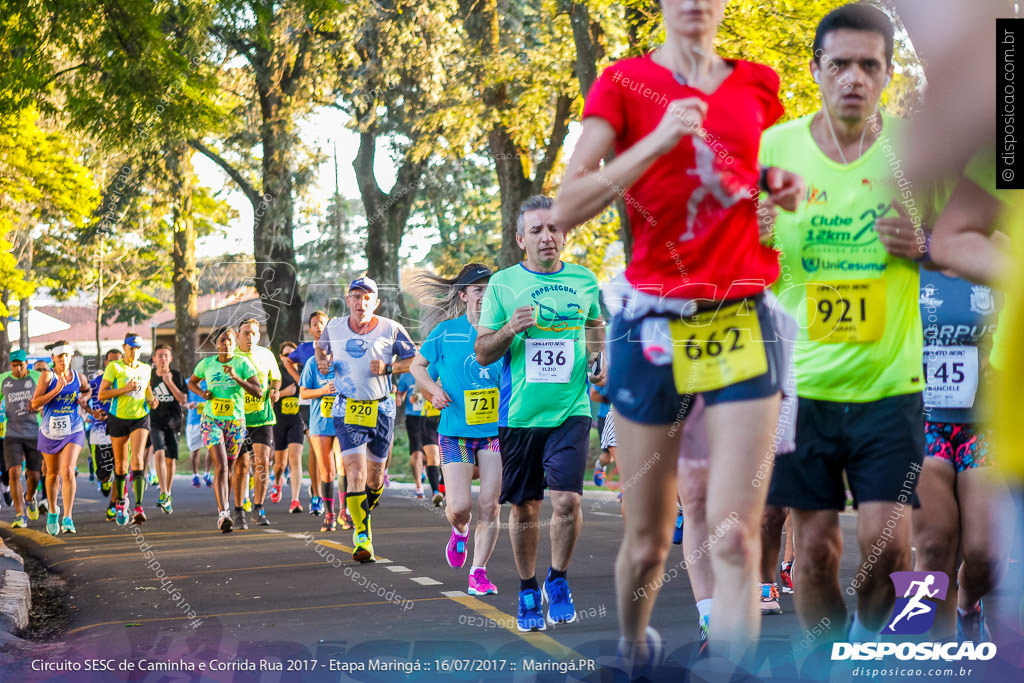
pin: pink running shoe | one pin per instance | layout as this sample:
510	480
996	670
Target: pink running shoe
455	551
480	585
275	493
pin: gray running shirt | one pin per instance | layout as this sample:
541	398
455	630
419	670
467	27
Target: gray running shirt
16	394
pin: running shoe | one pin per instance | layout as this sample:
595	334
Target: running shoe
387	480
105	487
296	507
438	499
261	518
33	509
195	481
637	666
68	526
530	617
455	551
363	551
20	522
53	522
786	576
8	501
224	522
329	523
479	584
345	520
287	471
208	480
240	522
275	493
972	626
316	506
153	479
140	515
598	475
43	507
770	599
111	512
121	514
704	624
677	535
169	507
423	477
559	599
247	502
162	501
92	471
419	494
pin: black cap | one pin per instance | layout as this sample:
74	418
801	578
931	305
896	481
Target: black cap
474	275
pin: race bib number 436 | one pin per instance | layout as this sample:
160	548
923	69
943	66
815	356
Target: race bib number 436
550	360
717	349
848	311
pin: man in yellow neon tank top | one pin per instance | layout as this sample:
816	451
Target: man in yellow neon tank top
849	278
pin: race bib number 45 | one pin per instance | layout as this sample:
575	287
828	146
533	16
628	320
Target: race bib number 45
951	374
717	349
550	360
360	413
481	406
849	311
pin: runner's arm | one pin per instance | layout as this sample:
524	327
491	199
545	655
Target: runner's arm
438	397
177	393
962	239
41	397
193	385
491	344
84	393
107	392
290	390
251	385
292	368
595	345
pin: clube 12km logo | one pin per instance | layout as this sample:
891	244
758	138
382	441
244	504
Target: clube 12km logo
917	596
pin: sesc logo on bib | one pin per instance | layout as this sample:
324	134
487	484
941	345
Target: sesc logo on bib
914	612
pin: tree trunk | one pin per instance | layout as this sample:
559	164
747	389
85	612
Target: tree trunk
515	188
5	340
386	217
23	309
99	310
183	256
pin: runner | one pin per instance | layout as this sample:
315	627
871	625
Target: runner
469	414
168	386
59	394
362	347
288	432
599	395
21	443
102	452
126	384
259	422
319	388
852	285
543	317
229	378
685	125
411	404
421	421
194	438
297	361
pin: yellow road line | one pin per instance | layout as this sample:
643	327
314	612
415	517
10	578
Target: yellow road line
537	639
236	614
36	537
347	549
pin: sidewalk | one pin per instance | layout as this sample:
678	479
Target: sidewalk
15	594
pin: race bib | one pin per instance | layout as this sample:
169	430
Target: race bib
290	406
847	311
3	429
361	413
550	360
98	436
222	407
951	374
717	349
253	404
60	425
481	406
429	410
327	406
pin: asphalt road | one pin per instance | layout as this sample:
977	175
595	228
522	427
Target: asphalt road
176	600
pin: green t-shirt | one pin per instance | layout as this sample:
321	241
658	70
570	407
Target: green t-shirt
860	336
128	406
545	377
259	412
228	402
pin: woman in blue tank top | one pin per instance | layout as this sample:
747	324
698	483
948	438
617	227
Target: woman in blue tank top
59	393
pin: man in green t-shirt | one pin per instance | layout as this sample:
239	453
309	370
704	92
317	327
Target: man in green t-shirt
542	316
259	423
229	378
850	279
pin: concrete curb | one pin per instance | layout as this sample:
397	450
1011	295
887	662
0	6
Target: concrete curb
15	591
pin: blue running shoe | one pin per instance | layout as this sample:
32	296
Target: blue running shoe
316	506
68	526
53	523
208	479
598	476
972	627
559	599
195	481
530	618
677	535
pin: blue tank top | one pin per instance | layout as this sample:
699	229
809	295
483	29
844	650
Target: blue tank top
60	416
